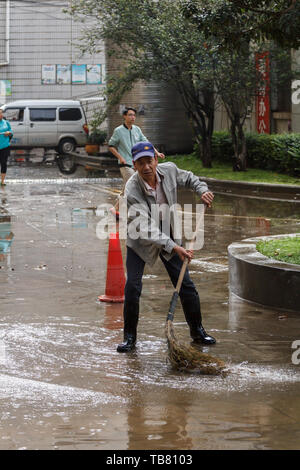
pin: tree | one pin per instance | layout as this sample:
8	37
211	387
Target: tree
156	42
162	40
238	26
235	21
236	83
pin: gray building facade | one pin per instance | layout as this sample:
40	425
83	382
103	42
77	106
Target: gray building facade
39	59
38	55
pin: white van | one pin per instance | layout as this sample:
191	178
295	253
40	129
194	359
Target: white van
54	124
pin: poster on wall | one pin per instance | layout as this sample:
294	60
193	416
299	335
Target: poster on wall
78	74
93	74
5	87
48	74
63	74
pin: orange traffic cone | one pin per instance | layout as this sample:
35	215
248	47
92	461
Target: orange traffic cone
115	277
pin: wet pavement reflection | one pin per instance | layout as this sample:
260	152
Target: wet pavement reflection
62	383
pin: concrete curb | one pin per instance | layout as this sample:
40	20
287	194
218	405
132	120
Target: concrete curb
256	278
274	190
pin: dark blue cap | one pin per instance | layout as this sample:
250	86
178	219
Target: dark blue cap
142	149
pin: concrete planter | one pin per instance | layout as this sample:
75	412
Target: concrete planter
254	277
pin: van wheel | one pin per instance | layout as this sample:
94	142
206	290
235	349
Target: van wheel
66	164
66	146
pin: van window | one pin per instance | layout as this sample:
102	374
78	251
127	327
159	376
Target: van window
42	114
69	114
14	114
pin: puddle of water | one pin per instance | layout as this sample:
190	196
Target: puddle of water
59	181
36	393
209	266
62	383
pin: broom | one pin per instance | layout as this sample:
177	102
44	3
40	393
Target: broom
185	357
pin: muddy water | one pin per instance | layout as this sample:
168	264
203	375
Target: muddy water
62	383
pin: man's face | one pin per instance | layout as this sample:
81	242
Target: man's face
129	117
146	167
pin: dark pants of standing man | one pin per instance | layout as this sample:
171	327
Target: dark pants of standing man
135	270
188	295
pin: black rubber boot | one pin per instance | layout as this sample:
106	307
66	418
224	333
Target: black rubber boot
131	318
192	312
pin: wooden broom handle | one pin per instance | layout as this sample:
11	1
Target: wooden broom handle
185	262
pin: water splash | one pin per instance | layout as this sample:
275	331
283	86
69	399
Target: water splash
56	396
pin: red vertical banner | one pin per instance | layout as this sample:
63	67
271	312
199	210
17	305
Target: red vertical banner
262	63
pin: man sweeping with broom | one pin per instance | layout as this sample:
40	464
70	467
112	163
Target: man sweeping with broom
153	185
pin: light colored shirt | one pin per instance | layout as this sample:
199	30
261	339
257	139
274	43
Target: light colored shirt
158	193
123	139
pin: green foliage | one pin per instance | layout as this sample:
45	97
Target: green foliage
276	152
285	249
152	40
223	171
97	136
98	118
233	21
222	148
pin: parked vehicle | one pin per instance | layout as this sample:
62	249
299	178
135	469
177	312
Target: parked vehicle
50	124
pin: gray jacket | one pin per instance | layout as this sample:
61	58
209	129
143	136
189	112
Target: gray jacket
144	233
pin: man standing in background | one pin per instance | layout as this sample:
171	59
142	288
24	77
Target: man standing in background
120	144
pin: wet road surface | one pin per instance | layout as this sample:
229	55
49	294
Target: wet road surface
62	383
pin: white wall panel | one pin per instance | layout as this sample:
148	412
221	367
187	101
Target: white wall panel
41	34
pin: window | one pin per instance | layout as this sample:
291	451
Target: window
43	114
69	114
14	114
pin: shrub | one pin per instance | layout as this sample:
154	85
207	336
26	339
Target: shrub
276	152
97	136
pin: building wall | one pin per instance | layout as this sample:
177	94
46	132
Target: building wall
2	32
296	106
222	122
39	35
160	113
43	34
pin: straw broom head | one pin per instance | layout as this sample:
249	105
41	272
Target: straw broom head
184	357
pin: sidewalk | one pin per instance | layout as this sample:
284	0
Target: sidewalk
64	386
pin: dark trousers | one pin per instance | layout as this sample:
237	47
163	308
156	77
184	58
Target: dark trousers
135	269
4	154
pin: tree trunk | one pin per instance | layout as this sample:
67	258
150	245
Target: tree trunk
243	149
239	146
202	122
203	130
206	152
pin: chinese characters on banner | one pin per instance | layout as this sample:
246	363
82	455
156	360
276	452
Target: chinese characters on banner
263	95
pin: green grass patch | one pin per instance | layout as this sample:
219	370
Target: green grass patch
282	249
223	171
